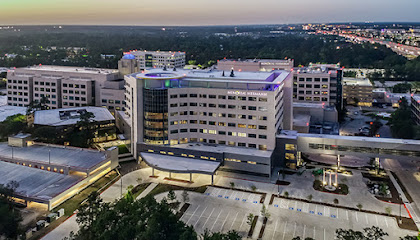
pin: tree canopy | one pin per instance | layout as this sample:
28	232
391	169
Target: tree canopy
135	219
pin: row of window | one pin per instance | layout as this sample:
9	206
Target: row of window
17	81
111	101
212	114
45	89
212	96
314	86
221	124
17	93
365	150
313	79
316	99
213	105
74	92
17	87
45	83
212	131
70	85
315	92
17	99
74	98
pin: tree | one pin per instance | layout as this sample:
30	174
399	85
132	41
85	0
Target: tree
350	234
409	237
185	196
286	194
37	105
232	185
171	195
10	218
359	206
372	233
84	130
253	188
46	134
250	219
335	201
264	212
401	123
309	197
231	235
141	219
12	125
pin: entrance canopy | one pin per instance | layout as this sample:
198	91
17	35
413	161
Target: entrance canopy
180	164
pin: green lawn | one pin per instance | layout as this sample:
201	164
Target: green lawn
73	203
137	190
166	187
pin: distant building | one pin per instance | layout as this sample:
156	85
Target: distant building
415	108
51	174
207	117
318	83
67	118
157	59
255	65
315	118
65	87
358	91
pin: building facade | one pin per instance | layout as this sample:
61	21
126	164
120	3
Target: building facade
241	112
358	91
318	83
65	87
255	65
157	59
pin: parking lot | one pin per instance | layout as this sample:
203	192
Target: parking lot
220	210
233	195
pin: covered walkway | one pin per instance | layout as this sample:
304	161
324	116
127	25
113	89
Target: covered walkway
174	164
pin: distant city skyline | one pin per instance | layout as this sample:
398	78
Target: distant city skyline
216	12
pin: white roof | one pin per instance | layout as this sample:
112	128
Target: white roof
180	164
6	111
216	75
357	82
52	117
55	68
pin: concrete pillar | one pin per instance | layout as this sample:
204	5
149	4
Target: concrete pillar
212	180
153	172
338	162
190	177
323	176
378	165
170	175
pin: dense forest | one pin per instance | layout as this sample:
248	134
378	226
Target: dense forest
202	45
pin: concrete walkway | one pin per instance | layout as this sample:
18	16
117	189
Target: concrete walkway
147	190
407	203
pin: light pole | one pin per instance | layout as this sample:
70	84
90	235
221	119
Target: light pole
49	155
399	195
12	151
278	185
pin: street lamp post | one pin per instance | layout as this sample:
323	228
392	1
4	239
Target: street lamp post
12	151
399	195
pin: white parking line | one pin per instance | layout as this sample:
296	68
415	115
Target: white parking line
324	233
295	205
386	222
284	231
367	221
207	219
304	228
347	213
224	222
337	212
216	220
234	220
377	223
192	215
357	219
294	231
275	229
314	232
195	224
243	220
234	194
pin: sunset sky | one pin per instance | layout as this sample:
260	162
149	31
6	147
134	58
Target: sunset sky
199	12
